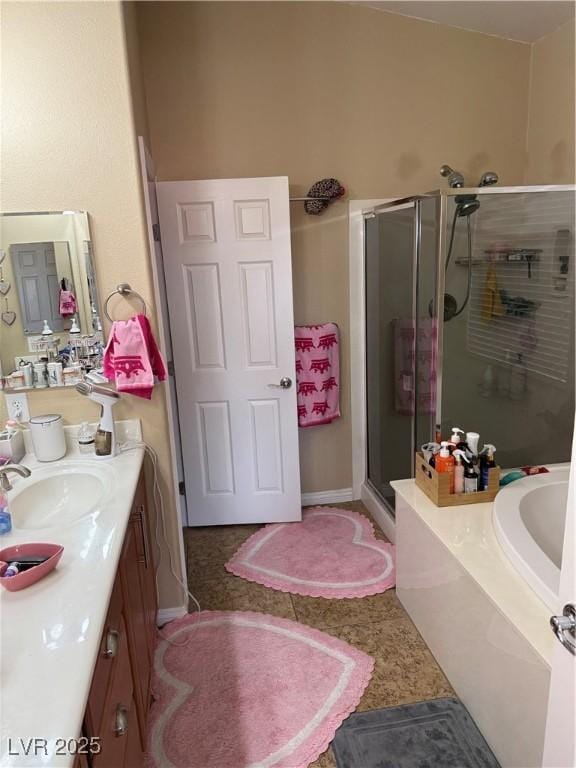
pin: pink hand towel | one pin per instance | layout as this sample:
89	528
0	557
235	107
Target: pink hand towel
317	374
68	306
404	352
132	358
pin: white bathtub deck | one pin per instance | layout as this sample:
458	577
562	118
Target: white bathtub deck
487	629
468	533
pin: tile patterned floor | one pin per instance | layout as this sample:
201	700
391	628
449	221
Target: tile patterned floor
405	670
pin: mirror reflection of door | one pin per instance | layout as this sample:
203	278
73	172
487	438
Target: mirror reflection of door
39	269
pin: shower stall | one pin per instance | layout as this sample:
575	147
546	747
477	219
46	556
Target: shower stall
469	312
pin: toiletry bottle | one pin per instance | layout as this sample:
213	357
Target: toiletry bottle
85	438
487	462
487	386
518	377
472	439
459	456
434	454
445	462
455	438
5	517
470	478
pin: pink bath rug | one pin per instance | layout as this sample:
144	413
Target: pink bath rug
244	690
332	553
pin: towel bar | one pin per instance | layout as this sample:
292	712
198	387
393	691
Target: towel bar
123	289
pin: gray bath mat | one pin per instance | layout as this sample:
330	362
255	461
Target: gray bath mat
430	734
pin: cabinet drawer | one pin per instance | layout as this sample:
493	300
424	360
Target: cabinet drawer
119	713
107	658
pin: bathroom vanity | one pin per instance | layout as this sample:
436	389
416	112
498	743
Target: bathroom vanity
120	694
77	647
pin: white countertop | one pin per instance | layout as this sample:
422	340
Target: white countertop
50	632
467	532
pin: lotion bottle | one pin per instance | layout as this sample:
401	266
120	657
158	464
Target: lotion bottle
456	439
472	439
459	471
445	462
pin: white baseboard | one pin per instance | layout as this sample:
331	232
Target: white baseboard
165	615
327	497
379	512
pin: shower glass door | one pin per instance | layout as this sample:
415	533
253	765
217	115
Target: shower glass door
390	259
508	356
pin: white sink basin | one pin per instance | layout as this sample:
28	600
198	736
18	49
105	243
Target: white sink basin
60	494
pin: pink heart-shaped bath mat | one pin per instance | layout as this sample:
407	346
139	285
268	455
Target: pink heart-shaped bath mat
240	689
332	553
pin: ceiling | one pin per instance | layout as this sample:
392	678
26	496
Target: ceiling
523	20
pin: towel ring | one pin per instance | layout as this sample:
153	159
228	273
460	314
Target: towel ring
123	289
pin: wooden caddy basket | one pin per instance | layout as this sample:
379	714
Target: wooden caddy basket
436	485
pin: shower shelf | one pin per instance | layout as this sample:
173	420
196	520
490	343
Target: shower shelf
511	256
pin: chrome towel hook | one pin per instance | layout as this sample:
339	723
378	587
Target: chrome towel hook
123	289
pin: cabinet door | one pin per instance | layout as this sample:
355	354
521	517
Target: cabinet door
133	757
136	621
140	519
107	659
119	714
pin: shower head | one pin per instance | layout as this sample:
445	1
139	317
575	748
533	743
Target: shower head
488	179
455	178
467	207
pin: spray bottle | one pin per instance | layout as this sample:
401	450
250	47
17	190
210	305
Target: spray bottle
471	478
487	462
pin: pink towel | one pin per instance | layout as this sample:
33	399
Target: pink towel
317	374
404	351
131	357
67	302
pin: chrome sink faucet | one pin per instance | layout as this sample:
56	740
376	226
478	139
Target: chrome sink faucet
19	469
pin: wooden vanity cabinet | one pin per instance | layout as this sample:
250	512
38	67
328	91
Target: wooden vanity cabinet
120	694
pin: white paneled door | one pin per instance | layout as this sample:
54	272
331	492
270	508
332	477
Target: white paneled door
227	261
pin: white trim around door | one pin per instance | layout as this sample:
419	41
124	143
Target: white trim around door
360	489
147	177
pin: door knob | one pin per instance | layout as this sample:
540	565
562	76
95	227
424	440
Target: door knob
285	383
564	627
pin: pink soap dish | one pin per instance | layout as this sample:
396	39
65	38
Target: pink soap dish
32	575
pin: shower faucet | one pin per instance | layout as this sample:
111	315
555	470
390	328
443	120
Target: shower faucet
456	179
488	179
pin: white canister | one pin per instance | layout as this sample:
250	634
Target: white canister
28	372
55	376
48	439
40	375
17	380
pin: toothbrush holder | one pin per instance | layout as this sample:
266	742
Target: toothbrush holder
12	446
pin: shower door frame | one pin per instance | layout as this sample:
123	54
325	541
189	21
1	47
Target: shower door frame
357	210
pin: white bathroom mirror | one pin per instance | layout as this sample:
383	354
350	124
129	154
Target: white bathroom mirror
49	303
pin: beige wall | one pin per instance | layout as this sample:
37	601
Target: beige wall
68	142
328	89
550	136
